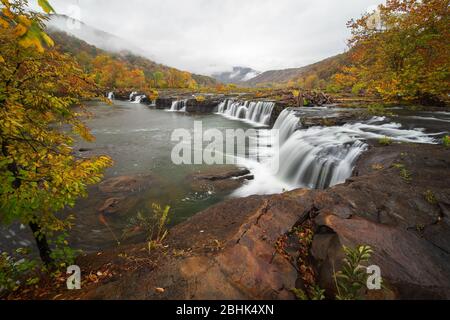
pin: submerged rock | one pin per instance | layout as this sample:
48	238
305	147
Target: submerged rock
125	184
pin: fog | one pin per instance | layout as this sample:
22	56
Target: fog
206	36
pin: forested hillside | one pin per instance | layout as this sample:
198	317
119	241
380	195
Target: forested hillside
125	71
398	53
316	74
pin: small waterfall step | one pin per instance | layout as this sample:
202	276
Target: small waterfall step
254	112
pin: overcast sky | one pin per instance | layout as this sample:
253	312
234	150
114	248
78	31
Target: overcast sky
204	36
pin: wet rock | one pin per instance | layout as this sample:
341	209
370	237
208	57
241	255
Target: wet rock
126	184
219	179
111	205
209	105
163	103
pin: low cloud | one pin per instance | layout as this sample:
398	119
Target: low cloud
206	36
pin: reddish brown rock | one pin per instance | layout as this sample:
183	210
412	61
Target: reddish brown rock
125	184
111	205
229	250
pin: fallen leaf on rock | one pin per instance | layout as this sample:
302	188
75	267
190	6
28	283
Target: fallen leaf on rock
93	278
159	290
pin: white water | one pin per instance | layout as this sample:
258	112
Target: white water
178	105
132	95
318	157
111	95
256	113
138	99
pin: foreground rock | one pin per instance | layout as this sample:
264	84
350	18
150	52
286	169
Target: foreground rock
398	202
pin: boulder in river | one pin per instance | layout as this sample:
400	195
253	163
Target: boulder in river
219	179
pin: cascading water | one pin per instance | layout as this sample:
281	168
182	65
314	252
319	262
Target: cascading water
318	157
138	98
178	105
286	123
250	111
132	95
111	95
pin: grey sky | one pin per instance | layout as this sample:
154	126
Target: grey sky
204	36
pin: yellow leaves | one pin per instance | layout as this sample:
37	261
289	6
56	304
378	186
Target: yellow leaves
20	30
24	20
31	42
7	13
37	107
26	27
4	23
200	98
47	40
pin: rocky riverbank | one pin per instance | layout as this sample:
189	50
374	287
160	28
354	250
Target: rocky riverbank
397	201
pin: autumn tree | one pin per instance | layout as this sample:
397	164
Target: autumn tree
41	92
404	52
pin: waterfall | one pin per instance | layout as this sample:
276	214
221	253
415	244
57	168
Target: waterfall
138	98
318	157
111	95
178	105
250	111
287	122
132	95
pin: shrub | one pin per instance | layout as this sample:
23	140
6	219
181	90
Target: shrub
352	279
17	272
430	197
154	225
385	141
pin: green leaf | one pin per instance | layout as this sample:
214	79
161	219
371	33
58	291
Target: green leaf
46	6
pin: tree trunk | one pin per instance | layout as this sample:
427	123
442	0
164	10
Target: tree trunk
42	244
300	99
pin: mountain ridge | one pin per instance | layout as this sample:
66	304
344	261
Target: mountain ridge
324	69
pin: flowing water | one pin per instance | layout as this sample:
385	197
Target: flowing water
138	139
178	105
256	113
319	157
